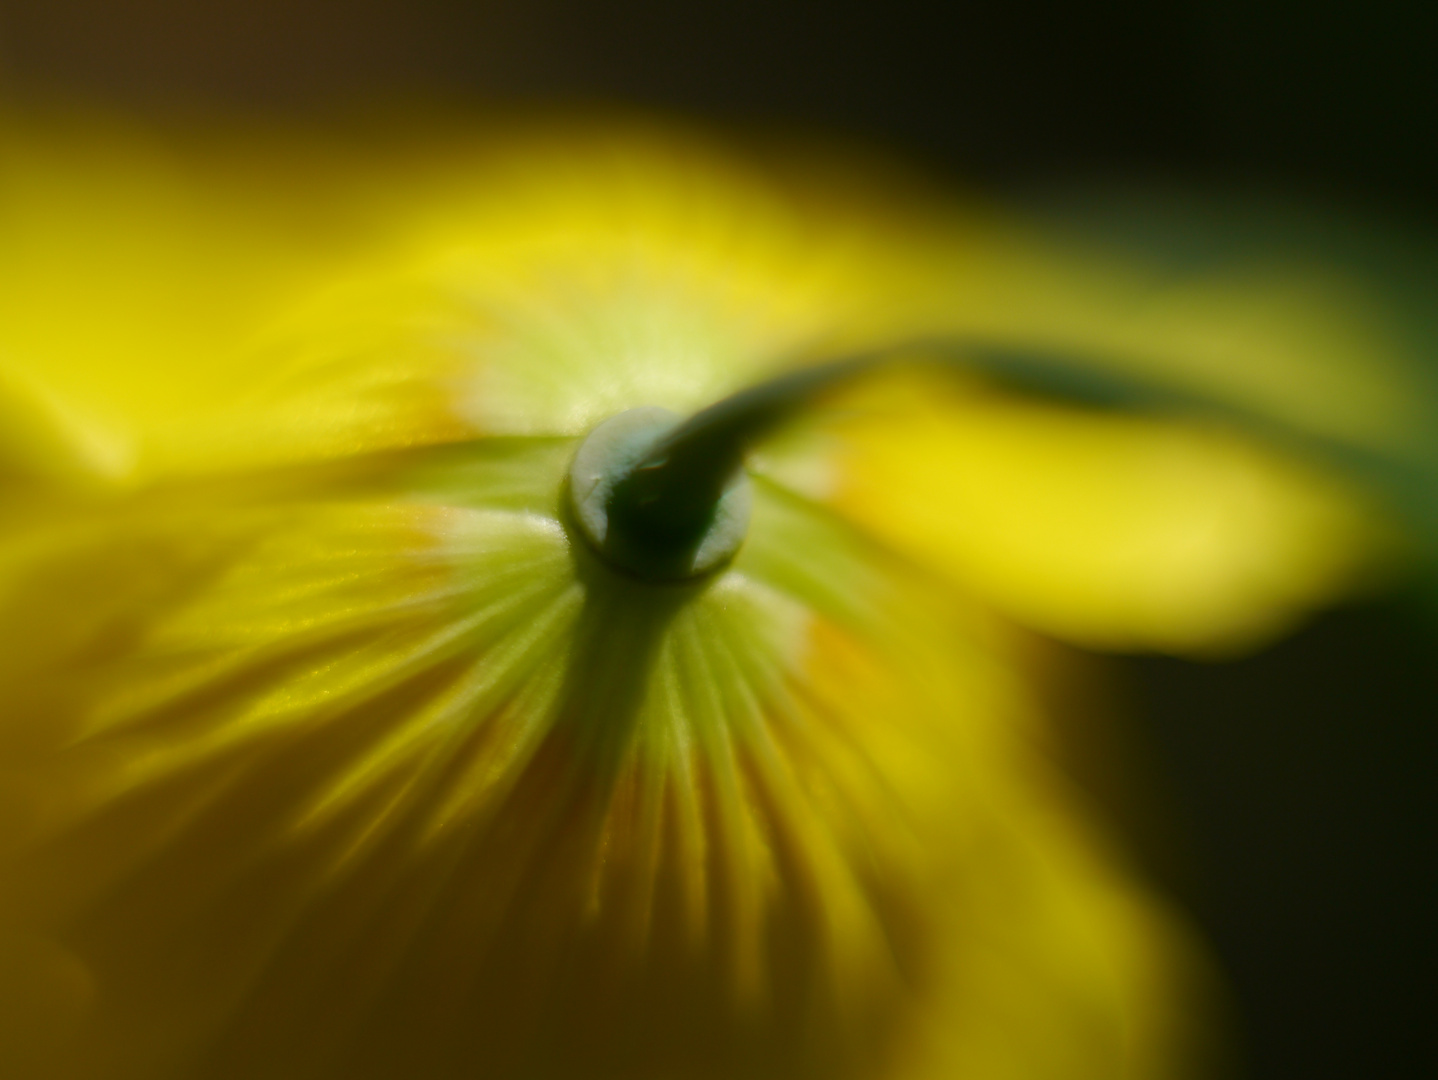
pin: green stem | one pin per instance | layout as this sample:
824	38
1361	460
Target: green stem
662	504
671	493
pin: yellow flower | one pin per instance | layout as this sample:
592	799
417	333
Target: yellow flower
329	749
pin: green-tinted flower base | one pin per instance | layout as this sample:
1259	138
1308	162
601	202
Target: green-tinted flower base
627	538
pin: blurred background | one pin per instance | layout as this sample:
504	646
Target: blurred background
1294	786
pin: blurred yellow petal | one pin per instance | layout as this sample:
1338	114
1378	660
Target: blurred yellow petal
46	438
1117	532
348	780
150	283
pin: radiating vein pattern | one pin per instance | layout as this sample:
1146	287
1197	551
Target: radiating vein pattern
404	775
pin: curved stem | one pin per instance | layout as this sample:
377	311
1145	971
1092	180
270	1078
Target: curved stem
671	493
673	489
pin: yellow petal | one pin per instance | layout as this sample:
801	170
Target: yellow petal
1118	532
150	286
344	780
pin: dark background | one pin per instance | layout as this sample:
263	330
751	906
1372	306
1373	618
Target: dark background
1318	97
1302	784
1299	780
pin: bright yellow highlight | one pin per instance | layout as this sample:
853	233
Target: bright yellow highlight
327	754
